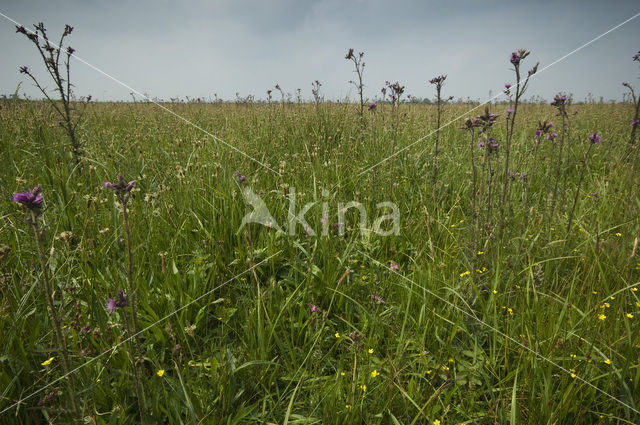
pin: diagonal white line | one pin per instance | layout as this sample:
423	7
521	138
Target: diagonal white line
180	117
136	334
500	333
501	93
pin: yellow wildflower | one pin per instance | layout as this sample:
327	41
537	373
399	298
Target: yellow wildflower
602	317
363	387
374	373
370	350
629	316
160	373
337	334
463	274
47	362
607	361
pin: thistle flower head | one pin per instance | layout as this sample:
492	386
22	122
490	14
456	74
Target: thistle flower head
240	177
349	54
31	200
558	101
67	30
372	106
111	305
438	81
122	299
636	57
120	187
594	138
514	59
21	29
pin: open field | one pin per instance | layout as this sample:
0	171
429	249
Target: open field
475	311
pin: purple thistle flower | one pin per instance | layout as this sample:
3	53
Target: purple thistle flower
313	308
377	299
636	57
552	136
71	50
31	200
480	144
515	59
111	305
240	177
121	187
508	86
393	266
634	123
509	110
594	195
538	132
372	106
595	138
24	69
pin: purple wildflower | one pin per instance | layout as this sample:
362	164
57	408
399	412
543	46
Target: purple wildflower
377	299
594	195
595	138
71	50
372	106
394	267
636	57
24	69
634	123
313	308
31	200
121	186
538	132
552	136
509	110
515	59
508	86
111	305
481	144
240	177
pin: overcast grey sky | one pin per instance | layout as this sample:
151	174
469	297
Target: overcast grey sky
197	48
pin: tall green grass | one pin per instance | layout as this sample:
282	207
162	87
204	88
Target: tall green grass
252	351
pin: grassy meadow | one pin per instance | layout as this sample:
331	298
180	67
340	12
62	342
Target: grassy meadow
460	318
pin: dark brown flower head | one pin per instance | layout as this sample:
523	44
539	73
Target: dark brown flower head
349	54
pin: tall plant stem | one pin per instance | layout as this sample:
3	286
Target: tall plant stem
57	329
